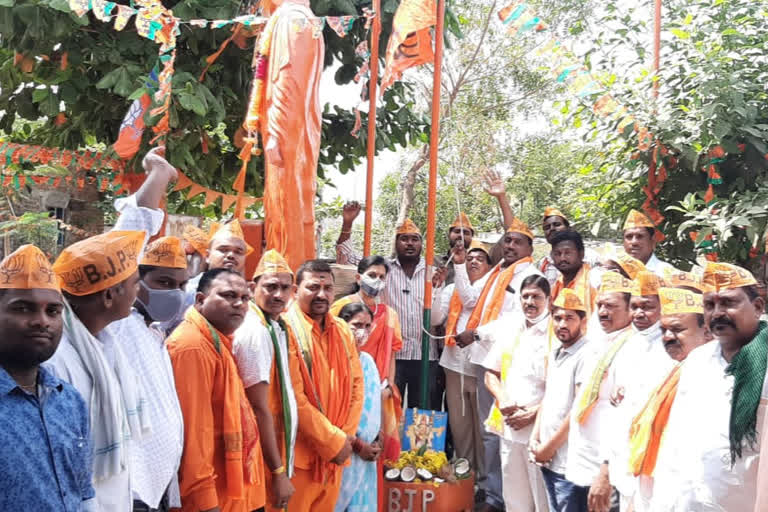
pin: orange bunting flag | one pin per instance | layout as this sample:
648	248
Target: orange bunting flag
411	42
27	268
166	251
98	262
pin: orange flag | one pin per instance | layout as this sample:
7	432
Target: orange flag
411	42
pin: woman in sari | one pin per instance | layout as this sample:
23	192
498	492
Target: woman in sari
383	343
359	484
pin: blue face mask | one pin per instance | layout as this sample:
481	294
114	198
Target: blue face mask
162	305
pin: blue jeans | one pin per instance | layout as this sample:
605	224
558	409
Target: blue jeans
564	496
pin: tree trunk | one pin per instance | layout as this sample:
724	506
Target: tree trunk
406	187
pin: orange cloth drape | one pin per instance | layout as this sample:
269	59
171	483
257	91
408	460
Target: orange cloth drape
481	315
581	285
648	426
454	312
292	111
330	395
221	465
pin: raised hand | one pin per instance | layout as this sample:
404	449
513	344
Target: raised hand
155	162
494	184
350	212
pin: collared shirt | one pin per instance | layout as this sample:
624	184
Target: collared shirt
528	348
588	442
546	265
155	458
639	367
563	367
511	307
454	357
406	296
693	471
45	452
657	266
255	355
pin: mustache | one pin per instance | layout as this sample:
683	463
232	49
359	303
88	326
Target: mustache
40	332
722	321
319	301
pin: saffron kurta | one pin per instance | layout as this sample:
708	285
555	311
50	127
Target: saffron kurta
204	368
330	403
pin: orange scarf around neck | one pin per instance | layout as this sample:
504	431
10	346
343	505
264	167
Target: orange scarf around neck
481	315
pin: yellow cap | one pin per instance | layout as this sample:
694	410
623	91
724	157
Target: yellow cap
462	221
231	229
645	283
165	252
197	238
272	262
551	211
98	262
569	299
518	226
613	282
635	219
676	301
724	276
675	278
27	268
407	228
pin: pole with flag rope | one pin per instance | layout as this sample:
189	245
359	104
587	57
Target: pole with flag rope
372	94
432	201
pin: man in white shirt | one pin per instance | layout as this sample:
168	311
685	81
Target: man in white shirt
261	348
100	281
498	298
452	306
640	242
640	366
716	419
519	358
592	413
549	439
155	458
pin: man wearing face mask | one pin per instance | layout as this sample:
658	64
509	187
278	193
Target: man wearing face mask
640	365
156	457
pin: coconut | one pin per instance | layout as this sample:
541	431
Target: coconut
392	474
424	474
461	467
408	474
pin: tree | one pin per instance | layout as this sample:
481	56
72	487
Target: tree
710	115
52	63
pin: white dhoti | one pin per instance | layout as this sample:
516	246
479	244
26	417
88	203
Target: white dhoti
522	481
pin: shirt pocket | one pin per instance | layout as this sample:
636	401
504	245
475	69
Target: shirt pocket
76	454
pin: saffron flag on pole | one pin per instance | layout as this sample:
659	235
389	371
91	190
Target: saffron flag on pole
411	42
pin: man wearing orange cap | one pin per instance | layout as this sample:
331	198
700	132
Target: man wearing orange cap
99	279
221	467
716	420
499	297
549	439
683	329
155	458
261	349
44	435
330	393
640	365
640	241
452	306
554	222
590	426
619	261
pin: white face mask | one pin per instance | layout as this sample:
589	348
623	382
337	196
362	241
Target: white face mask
371	285
162	305
361	335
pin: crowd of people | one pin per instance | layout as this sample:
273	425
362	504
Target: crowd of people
148	376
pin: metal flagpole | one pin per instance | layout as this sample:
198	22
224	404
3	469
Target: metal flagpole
432	201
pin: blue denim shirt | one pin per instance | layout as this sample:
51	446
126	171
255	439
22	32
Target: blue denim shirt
45	453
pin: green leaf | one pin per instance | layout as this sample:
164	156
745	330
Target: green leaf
110	79
39	95
682	34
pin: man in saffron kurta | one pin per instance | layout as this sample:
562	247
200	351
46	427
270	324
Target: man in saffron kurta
221	465
330	396
292	129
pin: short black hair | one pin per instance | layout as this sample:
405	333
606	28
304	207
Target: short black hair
582	314
569	235
751	292
538	281
209	275
651	232
700	319
352	309
370	261
318	266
